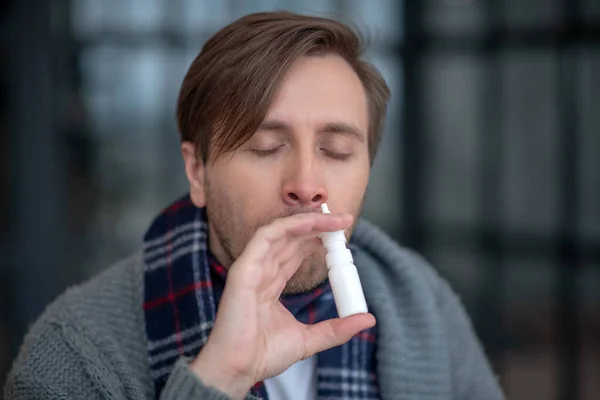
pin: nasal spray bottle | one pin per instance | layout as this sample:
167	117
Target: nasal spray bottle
343	276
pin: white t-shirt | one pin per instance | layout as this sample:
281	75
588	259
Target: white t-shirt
298	382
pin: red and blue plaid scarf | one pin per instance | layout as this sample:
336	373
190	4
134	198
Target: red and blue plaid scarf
183	284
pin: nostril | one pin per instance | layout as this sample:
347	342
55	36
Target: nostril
294	196
317	198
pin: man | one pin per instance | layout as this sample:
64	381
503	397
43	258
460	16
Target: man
229	297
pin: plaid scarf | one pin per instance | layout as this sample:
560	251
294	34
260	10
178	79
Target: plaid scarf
183	284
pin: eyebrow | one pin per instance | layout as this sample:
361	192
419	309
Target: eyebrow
330	127
345	128
273	125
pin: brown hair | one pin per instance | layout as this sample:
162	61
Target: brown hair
229	86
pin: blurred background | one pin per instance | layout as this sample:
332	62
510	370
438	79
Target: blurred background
489	166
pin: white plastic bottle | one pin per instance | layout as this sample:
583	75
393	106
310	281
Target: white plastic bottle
343	275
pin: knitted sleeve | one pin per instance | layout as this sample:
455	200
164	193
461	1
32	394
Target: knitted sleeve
47	368
57	362
184	384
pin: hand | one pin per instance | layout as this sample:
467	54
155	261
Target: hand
255	337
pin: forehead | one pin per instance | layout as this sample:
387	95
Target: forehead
321	89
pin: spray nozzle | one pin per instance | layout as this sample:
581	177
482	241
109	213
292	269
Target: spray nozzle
333	241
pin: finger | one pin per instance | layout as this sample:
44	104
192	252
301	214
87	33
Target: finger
301	224
266	237
290	264
286	250
334	332
292	256
276	267
282	250
286	255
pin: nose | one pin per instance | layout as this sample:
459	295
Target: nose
304	187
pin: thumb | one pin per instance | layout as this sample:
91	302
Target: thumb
334	332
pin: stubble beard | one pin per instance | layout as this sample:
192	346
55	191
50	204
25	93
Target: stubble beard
312	271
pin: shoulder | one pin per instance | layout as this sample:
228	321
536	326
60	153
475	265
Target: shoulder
398	279
397	264
88	337
109	297
420	311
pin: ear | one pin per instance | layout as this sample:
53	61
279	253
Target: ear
194	169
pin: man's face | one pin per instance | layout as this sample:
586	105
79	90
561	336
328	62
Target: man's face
312	148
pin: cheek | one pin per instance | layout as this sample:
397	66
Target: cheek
245	181
350	177
251	192
346	187
257	185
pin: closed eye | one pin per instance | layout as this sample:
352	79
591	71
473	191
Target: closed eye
266	152
335	155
